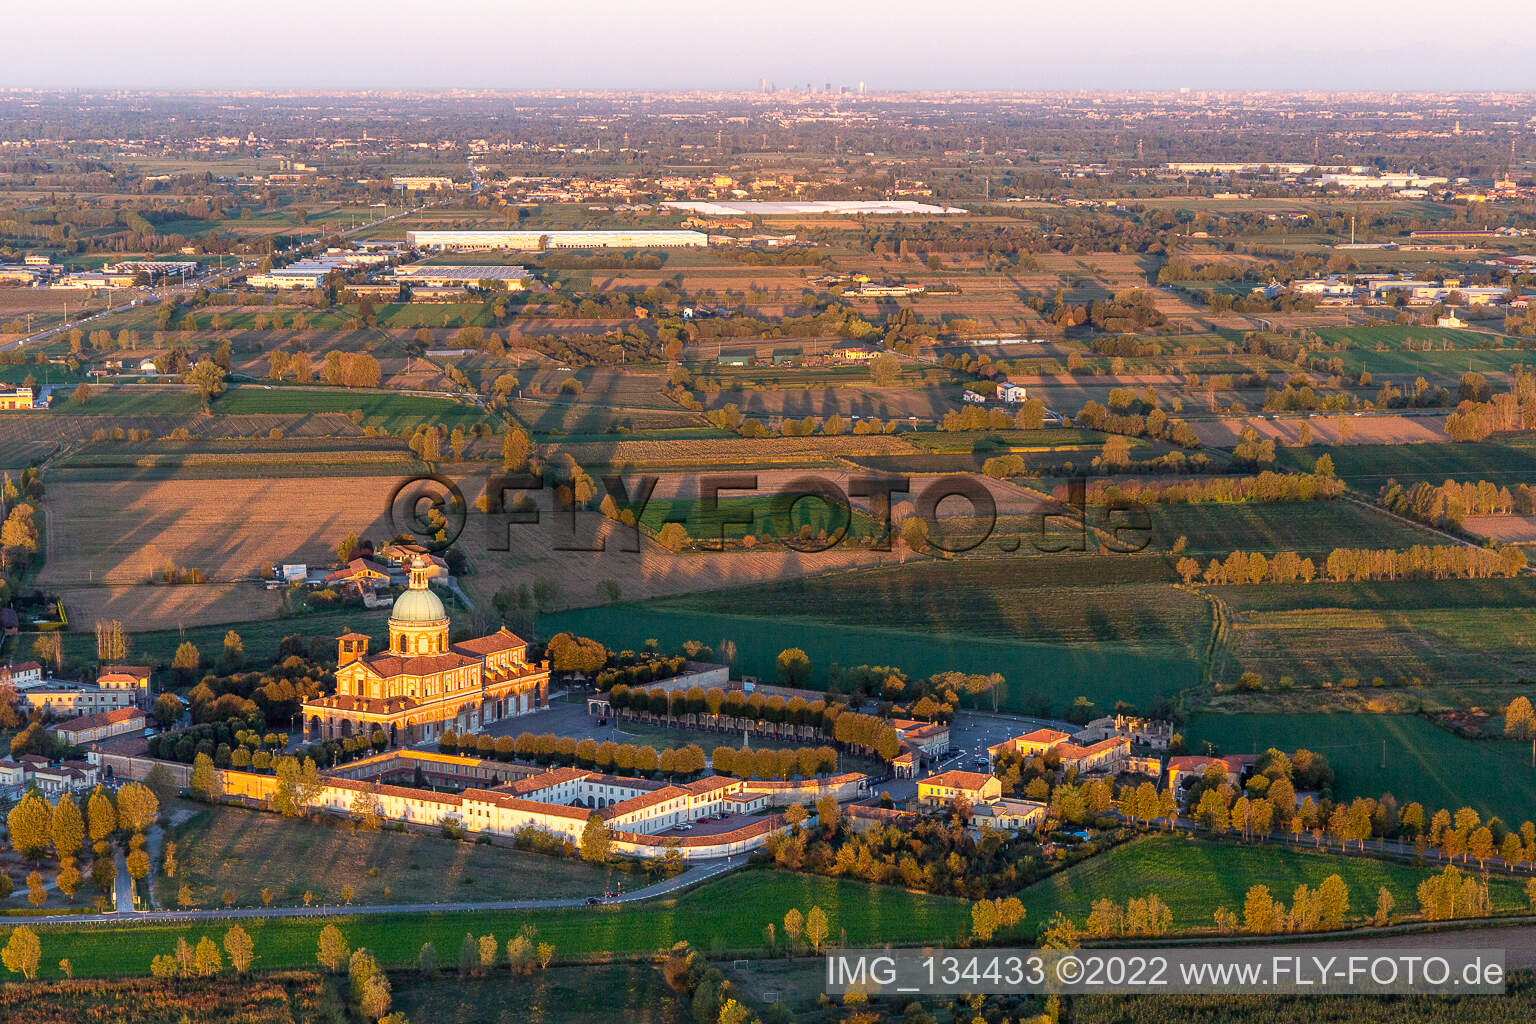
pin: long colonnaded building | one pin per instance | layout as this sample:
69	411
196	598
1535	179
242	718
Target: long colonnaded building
424	684
469	241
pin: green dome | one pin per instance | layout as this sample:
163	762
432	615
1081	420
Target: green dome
418	605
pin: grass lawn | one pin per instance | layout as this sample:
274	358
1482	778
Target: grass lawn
1423	761
229	849
379	409
726	916
1194	877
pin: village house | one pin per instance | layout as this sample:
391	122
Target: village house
133	678
1183	769
1008	815
943	789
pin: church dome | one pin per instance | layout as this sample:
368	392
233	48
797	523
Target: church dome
418	603
418	606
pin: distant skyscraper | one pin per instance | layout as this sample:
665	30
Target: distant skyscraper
861	88
763	84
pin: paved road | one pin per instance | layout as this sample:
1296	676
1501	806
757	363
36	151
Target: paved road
694	875
123	884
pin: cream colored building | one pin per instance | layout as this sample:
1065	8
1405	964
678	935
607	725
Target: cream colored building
423	684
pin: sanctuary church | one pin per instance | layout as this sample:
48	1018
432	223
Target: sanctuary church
424	684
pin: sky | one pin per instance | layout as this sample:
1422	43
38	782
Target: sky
692	44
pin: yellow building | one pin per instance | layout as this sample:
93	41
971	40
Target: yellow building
424	684
15	398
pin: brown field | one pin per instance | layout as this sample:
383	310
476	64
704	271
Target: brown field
124	531
884	403
1504	529
1327	429
162	607
61	426
107	537
733	451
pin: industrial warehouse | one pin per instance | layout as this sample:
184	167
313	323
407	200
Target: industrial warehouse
472	241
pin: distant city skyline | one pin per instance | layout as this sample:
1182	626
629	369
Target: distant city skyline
690	44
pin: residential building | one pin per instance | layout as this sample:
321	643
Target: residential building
133	678
1010	393
1007	815
946	787
21	676
1182	769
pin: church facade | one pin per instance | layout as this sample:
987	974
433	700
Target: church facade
424	684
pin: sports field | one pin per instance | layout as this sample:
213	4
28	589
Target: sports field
1423	761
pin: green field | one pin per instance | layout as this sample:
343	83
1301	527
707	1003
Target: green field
1307	527
1423	762
1366	467
228	850
130	401
1467	353
725	916
392	412
1194	877
1437	630
1055	627
261	636
768	521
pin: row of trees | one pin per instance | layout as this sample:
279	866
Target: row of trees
1265	487
1350	565
1449	503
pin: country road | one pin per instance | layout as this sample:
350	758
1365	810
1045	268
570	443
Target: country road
696	874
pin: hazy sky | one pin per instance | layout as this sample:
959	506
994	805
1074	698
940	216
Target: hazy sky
679	44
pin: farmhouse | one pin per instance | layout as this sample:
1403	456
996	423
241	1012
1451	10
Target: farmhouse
1010	393
423	684
1182	769
28	673
942	789
1008	815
